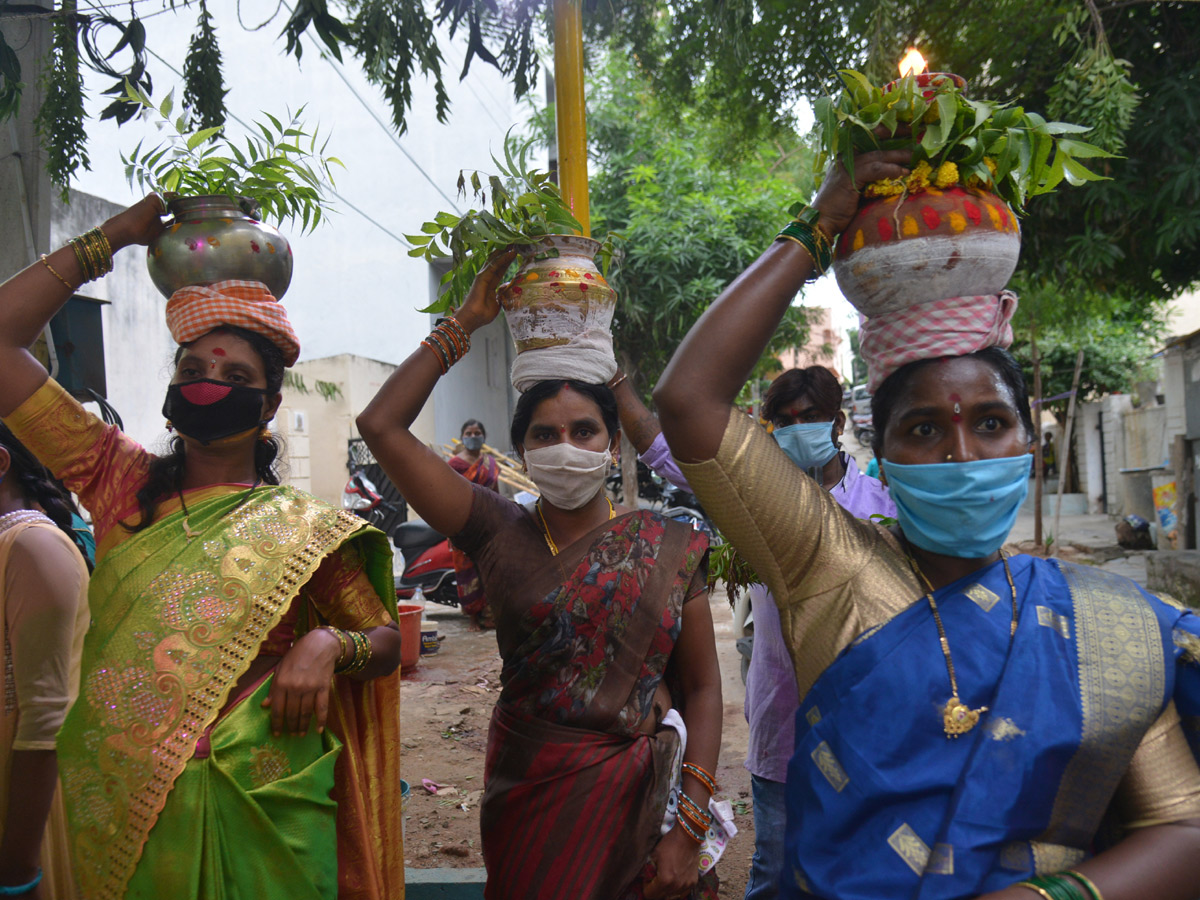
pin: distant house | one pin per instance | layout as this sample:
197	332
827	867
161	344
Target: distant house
822	346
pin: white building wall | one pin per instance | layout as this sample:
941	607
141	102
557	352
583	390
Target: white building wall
317	431
138	350
1172	388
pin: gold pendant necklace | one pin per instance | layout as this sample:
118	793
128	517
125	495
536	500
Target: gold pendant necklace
957	717
546	528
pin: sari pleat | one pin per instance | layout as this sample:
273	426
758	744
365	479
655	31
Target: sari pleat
253	791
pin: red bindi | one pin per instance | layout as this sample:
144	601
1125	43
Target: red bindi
954	398
956	418
218	352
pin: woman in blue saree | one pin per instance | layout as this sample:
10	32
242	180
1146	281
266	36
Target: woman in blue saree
970	725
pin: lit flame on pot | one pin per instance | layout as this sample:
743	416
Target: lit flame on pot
913	63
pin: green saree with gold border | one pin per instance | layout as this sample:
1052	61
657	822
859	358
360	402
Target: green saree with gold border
176	621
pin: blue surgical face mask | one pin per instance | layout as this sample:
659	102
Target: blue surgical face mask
959	509
807	444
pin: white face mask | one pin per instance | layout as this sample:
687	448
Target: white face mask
567	476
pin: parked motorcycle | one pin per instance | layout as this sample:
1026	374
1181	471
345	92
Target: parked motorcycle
683	506
863	427
423	556
428	564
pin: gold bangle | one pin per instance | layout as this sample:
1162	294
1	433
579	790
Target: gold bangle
1033	887
337	632
54	272
816	266
1087	883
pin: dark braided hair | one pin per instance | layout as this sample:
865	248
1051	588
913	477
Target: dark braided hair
166	472
39	487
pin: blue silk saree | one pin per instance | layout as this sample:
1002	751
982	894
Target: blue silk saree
881	804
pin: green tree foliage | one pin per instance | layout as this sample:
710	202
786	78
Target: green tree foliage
61	113
1130	69
691	224
204	89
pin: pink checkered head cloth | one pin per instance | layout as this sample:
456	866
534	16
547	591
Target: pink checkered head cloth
953	327
193	312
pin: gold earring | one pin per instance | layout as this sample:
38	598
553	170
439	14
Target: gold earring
265	435
949	457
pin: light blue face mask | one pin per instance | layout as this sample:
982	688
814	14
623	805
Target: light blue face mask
959	509
807	444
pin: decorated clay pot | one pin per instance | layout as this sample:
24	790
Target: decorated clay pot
559	310
211	239
931	246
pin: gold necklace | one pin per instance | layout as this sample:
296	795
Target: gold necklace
546	528
957	717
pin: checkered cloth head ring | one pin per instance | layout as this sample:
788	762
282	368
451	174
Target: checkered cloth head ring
193	312
953	327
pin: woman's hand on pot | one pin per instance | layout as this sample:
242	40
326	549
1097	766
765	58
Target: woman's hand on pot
481	306
839	195
139	224
300	687
677	860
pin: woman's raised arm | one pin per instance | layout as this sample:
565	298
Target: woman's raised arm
30	298
440	495
708	370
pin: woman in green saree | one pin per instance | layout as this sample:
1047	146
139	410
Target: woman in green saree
223	604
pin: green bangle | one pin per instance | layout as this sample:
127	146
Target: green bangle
814	242
1055	887
1088	884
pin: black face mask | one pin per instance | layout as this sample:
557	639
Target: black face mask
207	410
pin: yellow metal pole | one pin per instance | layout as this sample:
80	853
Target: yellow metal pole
571	113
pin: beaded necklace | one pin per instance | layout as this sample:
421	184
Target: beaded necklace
12	519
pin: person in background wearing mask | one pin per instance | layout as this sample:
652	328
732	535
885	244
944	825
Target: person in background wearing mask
603	625
480	468
804	408
196	762
968	721
43	618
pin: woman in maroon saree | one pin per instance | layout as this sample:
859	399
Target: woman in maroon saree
603	625
478	468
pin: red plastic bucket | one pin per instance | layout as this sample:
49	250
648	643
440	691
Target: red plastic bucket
410	635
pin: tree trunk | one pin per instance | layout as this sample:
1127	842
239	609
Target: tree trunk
1064	450
629	469
1037	437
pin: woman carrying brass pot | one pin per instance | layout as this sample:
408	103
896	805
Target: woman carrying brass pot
212	752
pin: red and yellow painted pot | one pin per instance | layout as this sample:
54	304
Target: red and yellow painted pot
559	309
929	246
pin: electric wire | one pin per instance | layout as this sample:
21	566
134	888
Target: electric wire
332	190
337	69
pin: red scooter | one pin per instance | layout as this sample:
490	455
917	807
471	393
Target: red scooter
428	564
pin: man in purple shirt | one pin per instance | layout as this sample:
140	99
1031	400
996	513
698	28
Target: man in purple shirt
804	408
